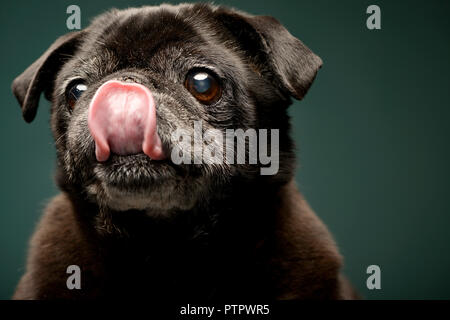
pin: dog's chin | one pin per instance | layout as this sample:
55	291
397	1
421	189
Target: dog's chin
136	182
155	202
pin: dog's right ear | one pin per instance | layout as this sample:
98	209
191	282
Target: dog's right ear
40	76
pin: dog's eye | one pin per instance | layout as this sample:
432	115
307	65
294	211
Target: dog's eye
74	92
204	86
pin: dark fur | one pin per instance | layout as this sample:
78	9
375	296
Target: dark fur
212	231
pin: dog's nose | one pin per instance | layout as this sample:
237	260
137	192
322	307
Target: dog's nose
122	120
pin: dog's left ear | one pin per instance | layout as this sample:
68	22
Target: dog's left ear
276	54
39	77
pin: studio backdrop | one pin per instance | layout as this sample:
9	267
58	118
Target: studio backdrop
372	134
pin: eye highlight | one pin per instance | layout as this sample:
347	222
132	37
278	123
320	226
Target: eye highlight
74	92
203	85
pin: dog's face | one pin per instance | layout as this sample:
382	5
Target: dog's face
177	65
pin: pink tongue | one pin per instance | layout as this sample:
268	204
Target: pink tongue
122	119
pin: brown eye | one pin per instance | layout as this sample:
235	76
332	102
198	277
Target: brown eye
74	92
204	86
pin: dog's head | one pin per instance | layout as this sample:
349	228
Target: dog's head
121	88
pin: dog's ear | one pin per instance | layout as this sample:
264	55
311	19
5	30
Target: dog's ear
273	51
40	76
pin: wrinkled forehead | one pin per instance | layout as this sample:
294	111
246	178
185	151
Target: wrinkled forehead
146	37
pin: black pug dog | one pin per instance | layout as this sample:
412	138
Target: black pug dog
136	223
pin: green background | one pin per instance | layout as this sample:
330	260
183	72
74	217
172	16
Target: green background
372	134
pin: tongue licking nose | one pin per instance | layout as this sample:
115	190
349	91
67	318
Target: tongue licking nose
122	119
